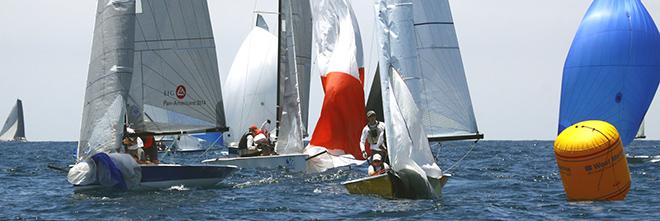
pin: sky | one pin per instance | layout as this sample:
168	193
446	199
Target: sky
513	52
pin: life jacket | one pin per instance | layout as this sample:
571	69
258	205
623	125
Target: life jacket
374	131
148	141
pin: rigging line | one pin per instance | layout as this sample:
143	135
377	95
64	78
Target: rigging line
464	156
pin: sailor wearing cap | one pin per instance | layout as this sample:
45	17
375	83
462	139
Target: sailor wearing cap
377	166
373	136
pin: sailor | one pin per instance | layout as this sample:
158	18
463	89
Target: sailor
373	136
377	166
134	145
247	140
150	149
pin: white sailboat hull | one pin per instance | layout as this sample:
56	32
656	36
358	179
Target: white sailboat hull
290	162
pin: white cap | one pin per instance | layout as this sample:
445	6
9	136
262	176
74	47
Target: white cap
130	130
377	157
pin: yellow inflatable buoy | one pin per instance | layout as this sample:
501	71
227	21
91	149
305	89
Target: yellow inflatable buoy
591	162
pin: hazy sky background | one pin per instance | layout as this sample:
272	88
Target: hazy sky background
513	52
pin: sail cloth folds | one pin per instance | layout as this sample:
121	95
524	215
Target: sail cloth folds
290	131
408	147
250	88
301	22
14	127
612	70
176	83
108	79
343	114
439	85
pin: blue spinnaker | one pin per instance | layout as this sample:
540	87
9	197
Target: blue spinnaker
613	67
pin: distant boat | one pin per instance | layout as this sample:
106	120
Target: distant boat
411	56
270	75
612	70
156	59
641	134
14	127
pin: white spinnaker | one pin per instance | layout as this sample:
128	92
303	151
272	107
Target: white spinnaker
176	83
441	91
250	89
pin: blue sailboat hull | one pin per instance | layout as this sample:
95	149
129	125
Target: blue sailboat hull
163	176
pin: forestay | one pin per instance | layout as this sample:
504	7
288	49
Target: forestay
14	127
408	147
108	79
176	84
612	70
251	86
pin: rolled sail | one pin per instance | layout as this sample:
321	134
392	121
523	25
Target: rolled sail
108	79
612	70
176	83
408	148
343	114
251	86
291	126
14	127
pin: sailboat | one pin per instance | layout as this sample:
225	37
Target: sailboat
14	127
641	133
612	70
276	87
148	61
411	57
336	138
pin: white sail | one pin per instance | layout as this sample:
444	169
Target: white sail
290	131
641	134
176	83
439	83
408	147
14	127
108	79
251	86
301	22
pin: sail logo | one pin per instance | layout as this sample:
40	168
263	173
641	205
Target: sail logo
180	92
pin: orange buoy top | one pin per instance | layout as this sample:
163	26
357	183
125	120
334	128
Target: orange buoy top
585	138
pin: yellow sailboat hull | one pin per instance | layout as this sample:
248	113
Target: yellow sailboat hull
389	186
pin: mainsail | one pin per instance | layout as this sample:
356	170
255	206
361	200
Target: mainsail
612	70
291	127
338	58
408	147
176	83
438	82
14	127
108	79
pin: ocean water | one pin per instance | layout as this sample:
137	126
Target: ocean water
499	180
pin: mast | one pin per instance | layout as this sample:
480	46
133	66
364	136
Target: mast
280	36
